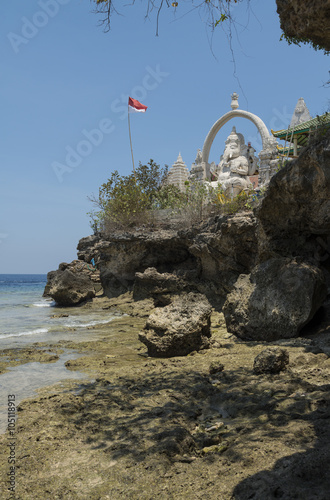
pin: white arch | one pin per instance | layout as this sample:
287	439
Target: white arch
223	120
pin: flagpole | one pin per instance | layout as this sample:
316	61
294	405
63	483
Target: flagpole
130	140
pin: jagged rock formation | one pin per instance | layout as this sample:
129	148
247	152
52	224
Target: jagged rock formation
225	247
295	213
287	287
73	283
275	301
207	259
178	328
151	283
86	247
306	20
69	289
124	254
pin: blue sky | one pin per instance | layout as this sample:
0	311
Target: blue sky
64	87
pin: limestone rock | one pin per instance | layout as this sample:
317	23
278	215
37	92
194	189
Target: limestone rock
207	259
88	247
271	361
50	277
124	254
226	247
179	328
216	367
307	20
153	284
294	215
70	289
275	301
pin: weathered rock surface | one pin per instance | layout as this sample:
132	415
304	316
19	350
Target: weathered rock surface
72	283
178	328
154	263
124	254
88	247
289	239
307	20
271	361
275	301
226	247
207	259
294	215
154	284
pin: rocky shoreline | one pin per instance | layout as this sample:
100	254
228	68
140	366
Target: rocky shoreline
198	426
231	398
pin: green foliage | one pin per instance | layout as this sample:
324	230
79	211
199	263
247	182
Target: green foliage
124	200
242	202
128	201
197	201
168	196
150	178
305	41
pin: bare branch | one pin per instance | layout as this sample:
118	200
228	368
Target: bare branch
215	12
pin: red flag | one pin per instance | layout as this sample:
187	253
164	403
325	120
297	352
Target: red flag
135	106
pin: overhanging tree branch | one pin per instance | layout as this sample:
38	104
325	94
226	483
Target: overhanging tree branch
215	12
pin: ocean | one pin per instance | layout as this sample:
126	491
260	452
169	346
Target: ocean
27	317
23	311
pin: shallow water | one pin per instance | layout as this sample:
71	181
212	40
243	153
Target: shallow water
26	318
23	381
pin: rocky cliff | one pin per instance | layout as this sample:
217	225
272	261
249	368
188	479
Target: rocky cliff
271	268
292	277
208	258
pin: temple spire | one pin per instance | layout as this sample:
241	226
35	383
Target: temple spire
301	113
178	173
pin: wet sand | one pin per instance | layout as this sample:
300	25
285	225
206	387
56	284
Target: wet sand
146	428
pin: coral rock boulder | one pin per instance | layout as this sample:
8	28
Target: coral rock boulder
70	289
271	361
275	301
178	328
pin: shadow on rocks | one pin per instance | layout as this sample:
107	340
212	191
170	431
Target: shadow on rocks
301	475
235	414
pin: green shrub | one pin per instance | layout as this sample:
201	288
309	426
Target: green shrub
125	201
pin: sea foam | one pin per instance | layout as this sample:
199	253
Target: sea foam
77	324
44	304
29	332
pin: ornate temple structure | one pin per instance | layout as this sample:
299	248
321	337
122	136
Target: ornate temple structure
178	174
239	167
238	164
302	126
